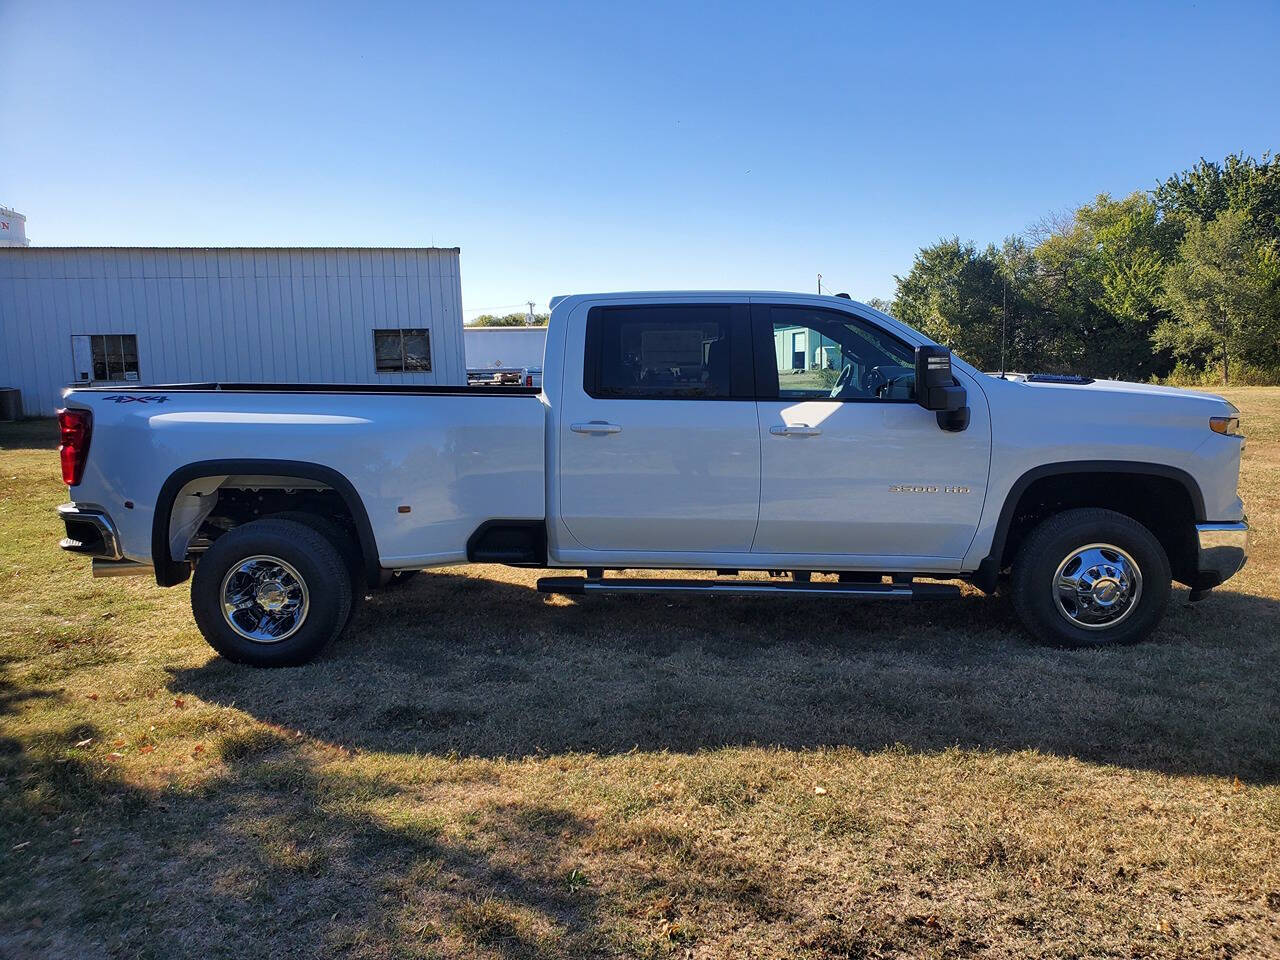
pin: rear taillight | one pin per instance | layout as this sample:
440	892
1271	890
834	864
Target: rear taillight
528	379
76	427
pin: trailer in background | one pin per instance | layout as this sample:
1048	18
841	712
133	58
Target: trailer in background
497	355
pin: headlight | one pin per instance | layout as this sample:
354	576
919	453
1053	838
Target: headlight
1227	426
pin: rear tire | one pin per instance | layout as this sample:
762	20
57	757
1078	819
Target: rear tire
346	544
1090	578
271	593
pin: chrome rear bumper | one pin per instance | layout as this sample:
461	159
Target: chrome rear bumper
1224	548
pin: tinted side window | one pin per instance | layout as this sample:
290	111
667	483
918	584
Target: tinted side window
820	354
680	352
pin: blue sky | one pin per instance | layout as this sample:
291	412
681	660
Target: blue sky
603	145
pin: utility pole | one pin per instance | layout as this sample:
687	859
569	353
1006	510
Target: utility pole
819	284
530	320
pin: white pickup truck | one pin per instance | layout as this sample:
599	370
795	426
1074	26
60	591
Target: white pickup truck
813	438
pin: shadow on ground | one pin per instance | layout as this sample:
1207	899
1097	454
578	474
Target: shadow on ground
276	852
35	433
489	668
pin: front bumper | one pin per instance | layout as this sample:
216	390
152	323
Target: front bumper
89	532
1224	548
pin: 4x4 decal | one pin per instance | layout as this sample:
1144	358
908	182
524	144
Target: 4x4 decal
137	398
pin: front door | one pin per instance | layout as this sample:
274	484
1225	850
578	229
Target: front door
659	441
850	464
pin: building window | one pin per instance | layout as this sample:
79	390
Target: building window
402	351
113	357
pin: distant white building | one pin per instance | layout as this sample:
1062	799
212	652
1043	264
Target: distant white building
13	228
94	315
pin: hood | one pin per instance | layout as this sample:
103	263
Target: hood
1113	386
1124	386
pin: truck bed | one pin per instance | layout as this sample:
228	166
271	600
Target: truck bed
410	389
430	465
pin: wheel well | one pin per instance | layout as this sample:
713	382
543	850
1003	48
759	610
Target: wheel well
241	501
199	503
1162	504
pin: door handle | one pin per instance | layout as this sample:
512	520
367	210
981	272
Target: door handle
795	430
595	426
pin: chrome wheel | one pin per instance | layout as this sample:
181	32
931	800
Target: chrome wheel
1097	586
264	599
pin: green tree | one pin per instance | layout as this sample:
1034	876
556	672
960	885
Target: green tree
510	320
1223	292
1099	285
954	294
1210	188
1119	288
1033	338
987	305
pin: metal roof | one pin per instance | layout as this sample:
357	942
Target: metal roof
47	247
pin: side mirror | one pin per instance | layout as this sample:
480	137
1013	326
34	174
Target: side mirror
936	388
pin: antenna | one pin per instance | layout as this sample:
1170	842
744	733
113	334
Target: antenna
1004	319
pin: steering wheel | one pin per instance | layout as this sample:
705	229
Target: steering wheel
842	381
874	382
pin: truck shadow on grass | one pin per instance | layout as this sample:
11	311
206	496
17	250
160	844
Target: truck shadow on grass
480	667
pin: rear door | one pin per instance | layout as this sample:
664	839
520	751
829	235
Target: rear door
851	465
659	442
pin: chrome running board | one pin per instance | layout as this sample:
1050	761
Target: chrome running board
578	586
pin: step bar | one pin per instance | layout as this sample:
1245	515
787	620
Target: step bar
579	586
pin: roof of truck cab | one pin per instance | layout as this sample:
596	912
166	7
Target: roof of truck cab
909	334
703	295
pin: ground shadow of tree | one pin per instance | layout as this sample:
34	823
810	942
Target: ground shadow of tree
278	852
487	668
286	845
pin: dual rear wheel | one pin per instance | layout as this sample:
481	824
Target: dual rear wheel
274	592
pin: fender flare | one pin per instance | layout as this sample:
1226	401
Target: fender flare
989	568
170	572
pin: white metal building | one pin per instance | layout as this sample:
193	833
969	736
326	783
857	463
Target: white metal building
182	314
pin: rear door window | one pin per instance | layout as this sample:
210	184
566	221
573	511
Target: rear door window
692	352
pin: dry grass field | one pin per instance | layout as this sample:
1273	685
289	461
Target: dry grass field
475	770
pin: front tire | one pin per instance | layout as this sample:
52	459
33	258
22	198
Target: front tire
271	593
1090	578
